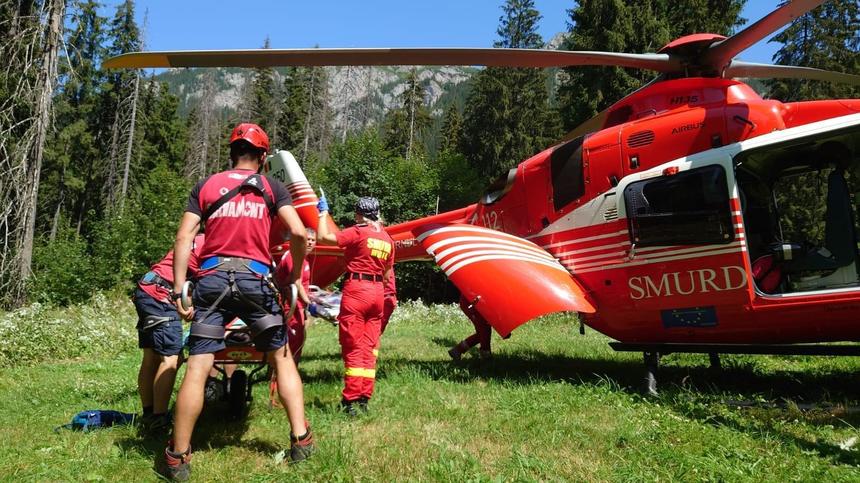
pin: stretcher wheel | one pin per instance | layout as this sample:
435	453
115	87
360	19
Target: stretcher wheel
237	398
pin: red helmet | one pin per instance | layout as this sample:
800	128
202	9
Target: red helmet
252	133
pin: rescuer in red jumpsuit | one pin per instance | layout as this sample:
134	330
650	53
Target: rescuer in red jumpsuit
237	206
297	322
481	335
390	301
159	330
369	254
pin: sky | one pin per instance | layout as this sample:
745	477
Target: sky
216	24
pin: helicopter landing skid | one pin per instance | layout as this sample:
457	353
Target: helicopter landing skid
653	352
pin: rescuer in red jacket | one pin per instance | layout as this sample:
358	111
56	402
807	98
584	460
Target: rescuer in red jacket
159	333
237	206
297	322
369	254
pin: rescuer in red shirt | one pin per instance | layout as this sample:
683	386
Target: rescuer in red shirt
297	322
237	207
369	254
159	334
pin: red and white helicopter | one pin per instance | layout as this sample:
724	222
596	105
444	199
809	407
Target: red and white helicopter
656	220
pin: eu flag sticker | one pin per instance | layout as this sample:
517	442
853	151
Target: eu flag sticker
689	317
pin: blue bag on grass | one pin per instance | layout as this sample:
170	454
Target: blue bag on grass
98	418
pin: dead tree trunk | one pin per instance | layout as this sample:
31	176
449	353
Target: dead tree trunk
110	186
130	143
47	81
309	116
411	115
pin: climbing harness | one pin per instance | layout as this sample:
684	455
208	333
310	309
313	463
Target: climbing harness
233	265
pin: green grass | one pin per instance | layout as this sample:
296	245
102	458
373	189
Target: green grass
551	405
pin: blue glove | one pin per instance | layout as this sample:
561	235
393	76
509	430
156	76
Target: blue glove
322	204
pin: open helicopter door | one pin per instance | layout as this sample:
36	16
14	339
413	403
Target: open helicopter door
797	198
798	191
686	269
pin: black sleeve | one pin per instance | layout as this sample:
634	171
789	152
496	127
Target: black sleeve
281	194
193	205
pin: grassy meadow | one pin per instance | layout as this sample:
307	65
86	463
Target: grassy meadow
551	405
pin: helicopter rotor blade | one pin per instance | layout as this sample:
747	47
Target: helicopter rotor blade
385	56
595	123
764	71
721	53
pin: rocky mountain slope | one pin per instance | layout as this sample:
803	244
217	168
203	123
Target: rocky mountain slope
348	86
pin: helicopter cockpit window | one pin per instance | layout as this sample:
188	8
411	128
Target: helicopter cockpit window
568	181
690	207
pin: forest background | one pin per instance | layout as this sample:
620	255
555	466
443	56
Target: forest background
95	165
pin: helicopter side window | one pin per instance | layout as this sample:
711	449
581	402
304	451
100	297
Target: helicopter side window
568	181
691	207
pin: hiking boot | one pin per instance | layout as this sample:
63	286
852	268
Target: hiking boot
485	354
350	408
177	466
455	353
301	447
157	422
362	404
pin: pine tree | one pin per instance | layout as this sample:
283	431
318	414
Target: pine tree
508	117
120	99
202	128
123	34
164	133
318	125
293	115
75	106
828	37
629	26
263	106
452	129
404	126
30	50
